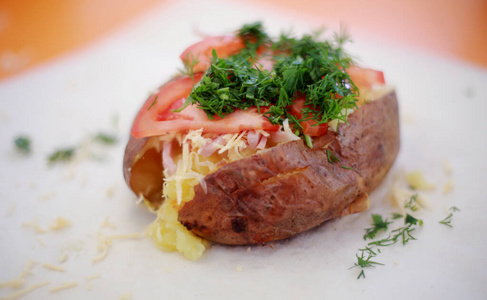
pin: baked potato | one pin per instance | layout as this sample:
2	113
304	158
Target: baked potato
246	177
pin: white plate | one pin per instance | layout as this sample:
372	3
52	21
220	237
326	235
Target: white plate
443	107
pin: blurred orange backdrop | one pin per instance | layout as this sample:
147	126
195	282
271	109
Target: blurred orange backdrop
32	31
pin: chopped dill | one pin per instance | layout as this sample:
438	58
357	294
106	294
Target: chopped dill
447	221
378	224
331	157
22	143
62	155
364	260
413	203
302	66
105	138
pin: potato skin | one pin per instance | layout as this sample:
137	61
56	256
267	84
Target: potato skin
142	170
291	188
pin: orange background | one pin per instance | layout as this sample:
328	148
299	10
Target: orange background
32	31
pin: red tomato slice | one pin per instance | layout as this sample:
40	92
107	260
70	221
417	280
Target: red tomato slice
202	51
365	78
309	127
156	116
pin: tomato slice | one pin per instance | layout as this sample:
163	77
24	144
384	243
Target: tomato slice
310	127
200	54
156	116
365	78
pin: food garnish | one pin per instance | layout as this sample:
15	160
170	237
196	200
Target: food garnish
403	234
363	261
61	155
378	225
447	221
105	138
22	143
304	66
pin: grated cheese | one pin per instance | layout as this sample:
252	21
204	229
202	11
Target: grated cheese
34	225
63	286
126	296
417	181
91	277
239	269
53	267
447	167
234	141
62	258
40	241
111	191
11	209
59	223
15	283
25	291
47	196
448	187
18	282
104	242
107	224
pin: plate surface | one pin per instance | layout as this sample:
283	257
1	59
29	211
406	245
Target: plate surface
100	88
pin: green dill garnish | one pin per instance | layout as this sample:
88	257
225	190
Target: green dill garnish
397	216
403	233
378	224
22	143
413	203
347	168
253	36
302	66
331	157
447	221
153	103
189	66
62	155
105	138
364	260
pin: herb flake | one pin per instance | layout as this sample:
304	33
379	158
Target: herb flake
62	155
22	144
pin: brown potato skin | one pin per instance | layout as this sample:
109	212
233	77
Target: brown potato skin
291	188
143	174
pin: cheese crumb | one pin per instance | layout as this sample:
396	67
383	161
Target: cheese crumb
18	282
63	257
91	277
25	291
47	196
40	241
447	167
107	224
111	191
126	296
15	283
59	223
448	187
104	242
63	286
417	181
34	225
53	267
239	268
11	209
